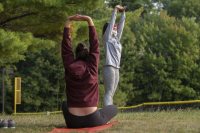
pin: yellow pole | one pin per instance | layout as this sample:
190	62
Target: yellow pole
15	107
17	93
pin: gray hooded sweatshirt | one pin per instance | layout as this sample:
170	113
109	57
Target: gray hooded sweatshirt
111	41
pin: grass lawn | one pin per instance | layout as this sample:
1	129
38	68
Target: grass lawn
182	121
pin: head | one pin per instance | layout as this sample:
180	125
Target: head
115	27
114	31
105	27
81	52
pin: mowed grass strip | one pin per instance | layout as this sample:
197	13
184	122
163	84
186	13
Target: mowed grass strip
182	121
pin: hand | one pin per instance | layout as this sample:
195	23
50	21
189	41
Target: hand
68	23
74	17
78	17
120	8
86	18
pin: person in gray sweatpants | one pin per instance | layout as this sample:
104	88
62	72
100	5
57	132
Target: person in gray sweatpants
111	39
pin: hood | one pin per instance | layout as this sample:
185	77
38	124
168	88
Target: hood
77	69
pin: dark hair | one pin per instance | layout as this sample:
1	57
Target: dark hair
105	27
81	52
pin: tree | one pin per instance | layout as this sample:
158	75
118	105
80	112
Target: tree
169	51
180	8
132	5
43	81
13	45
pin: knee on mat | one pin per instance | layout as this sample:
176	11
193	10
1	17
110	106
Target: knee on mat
115	109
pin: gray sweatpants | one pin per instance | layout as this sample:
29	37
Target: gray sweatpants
110	79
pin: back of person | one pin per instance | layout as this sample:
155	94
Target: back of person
81	76
81	73
82	85
82	89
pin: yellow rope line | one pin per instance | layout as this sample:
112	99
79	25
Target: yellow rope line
162	103
129	107
38	113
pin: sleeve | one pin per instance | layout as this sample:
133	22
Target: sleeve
121	25
108	32
66	48
93	50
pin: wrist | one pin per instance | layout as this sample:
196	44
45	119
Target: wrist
89	19
68	24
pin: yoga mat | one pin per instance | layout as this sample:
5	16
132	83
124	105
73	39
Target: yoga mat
81	130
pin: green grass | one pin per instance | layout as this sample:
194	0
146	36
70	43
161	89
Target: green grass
182	121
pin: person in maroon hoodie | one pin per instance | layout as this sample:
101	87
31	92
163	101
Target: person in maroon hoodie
81	76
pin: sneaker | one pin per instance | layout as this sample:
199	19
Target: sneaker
11	123
4	124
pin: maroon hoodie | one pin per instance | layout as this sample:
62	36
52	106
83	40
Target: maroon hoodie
81	76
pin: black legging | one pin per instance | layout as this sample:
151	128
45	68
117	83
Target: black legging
99	117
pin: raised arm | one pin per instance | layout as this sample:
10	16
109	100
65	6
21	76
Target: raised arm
66	48
94	44
93	39
121	24
89	20
108	32
92	31
111	24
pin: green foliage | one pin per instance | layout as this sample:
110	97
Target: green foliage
132	5
43	81
160	56
129	55
13	45
180	8
1	7
169	50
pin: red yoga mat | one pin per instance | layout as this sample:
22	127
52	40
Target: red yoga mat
88	130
